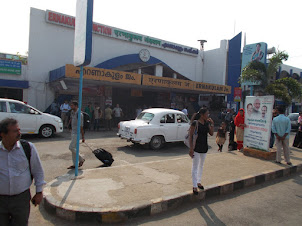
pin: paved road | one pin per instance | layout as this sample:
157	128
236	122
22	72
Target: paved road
275	203
56	158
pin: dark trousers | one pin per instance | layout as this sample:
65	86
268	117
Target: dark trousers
272	140
14	209
117	120
108	124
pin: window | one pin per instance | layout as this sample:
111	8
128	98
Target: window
3	107
169	118
182	118
19	108
145	116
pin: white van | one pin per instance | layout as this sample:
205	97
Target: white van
31	120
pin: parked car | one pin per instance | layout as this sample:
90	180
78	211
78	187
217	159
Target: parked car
293	117
31	120
155	126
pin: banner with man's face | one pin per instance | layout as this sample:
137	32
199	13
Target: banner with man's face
258	120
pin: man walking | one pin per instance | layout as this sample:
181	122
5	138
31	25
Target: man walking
281	127
74	126
20	163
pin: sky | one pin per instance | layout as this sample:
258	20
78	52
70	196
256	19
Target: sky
183	22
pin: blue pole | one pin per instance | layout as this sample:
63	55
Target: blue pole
79	121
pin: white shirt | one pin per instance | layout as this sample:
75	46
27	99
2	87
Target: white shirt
65	107
117	112
185	111
14	170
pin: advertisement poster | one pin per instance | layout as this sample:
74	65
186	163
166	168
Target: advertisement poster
253	52
258	120
237	94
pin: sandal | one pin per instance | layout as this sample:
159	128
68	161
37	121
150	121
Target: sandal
200	186
195	192
71	167
81	163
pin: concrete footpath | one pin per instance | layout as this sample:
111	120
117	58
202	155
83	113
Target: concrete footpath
117	193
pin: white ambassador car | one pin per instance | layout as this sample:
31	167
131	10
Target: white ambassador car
155	126
31	120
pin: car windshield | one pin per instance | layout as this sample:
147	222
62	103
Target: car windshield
293	117
145	116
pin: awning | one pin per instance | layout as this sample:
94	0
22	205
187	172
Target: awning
95	75
14	83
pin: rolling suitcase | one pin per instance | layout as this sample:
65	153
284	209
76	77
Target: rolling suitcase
102	155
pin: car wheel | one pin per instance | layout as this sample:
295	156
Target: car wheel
46	131
156	142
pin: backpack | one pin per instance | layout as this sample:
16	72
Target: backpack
27	150
195	135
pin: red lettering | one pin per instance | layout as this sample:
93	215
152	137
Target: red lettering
95	27
62	19
109	31
50	18
68	20
56	18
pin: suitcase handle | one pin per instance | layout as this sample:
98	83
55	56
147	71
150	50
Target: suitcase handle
87	145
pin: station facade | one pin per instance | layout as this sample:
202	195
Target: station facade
127	68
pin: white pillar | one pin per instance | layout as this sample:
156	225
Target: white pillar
139	71
159	70
174	75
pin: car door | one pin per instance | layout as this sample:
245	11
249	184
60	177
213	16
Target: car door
182	126
168	127
22	113
3	110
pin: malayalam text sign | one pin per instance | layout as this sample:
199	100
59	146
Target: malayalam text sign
258	120
103	74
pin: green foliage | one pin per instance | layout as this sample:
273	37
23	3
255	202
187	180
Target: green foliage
21	58
275	61
285	89
254	72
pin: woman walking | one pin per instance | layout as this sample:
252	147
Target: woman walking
239	132
199	130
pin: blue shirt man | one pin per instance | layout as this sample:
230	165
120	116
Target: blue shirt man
281	127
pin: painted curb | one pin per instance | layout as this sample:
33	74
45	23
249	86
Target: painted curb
155	206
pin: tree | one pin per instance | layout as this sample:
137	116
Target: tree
21	58
285	89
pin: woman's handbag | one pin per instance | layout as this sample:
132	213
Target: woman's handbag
195	135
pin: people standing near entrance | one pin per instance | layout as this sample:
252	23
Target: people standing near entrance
199	148
89	110
74	126
232	127
108	117
185	110
118	113
20	163
221	136
65	108
54	108
97	118
281	127
138	111
239	132
272	140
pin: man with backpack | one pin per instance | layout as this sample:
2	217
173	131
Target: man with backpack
20	164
